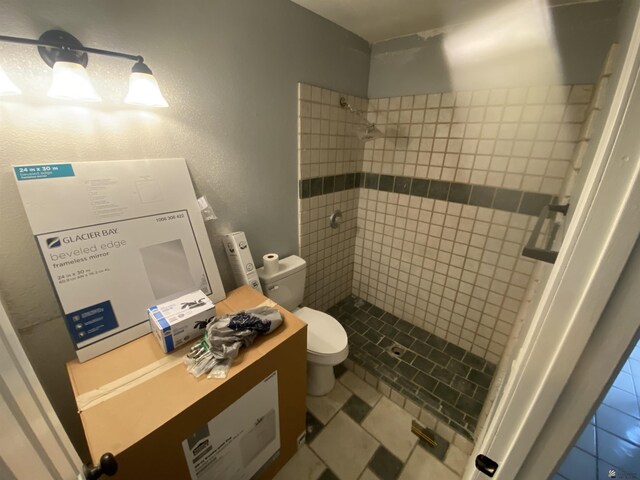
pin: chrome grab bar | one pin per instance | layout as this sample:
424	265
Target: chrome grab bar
545	254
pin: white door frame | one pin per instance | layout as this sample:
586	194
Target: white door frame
33	443
590	381
603	230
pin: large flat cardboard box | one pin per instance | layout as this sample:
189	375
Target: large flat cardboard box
140	404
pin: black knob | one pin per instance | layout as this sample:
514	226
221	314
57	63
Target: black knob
108	466
486	465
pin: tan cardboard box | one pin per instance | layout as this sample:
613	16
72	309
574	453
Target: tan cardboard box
140	403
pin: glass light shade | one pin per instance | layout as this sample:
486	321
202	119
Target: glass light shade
144	90
71	82
7	87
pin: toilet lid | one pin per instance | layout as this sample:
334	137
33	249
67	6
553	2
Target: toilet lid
325	335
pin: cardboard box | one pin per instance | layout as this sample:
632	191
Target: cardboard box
239	254
181	320
141	404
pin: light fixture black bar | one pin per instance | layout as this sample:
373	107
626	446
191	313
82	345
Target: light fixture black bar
109	53
97	51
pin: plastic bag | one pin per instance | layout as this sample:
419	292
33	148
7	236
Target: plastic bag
225	336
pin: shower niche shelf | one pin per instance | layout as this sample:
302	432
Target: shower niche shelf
547	238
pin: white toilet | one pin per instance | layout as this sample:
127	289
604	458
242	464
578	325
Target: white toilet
326	338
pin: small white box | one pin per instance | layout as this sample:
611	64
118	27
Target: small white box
176	322
242	266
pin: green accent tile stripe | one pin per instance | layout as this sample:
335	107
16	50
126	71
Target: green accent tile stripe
509	200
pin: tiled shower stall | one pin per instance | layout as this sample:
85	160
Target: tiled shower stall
425	272
327	149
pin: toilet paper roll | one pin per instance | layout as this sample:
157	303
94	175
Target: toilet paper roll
271	263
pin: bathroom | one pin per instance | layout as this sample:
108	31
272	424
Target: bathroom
249	84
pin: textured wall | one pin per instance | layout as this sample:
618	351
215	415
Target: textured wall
229	69
624	31
415	64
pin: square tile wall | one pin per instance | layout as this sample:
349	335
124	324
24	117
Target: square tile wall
326	143
443	251
329	156
435	213
329	252
516	138
454	270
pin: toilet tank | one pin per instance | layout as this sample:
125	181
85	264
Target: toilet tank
286	286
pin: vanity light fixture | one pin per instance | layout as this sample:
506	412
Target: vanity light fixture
143	88
68	58
7	87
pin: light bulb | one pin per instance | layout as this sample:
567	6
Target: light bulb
144	90
7	87
71	82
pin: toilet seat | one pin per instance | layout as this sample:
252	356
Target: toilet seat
326	338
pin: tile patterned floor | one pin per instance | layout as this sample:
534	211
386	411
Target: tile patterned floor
355	433
611	441
426	369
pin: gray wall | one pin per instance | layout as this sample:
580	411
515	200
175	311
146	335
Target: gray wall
413	65
624	30
229	71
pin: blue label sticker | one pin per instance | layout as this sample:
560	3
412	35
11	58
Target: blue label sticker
91	321
38	172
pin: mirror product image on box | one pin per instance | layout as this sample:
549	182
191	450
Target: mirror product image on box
239	442
116	238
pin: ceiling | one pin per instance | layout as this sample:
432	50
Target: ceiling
377	20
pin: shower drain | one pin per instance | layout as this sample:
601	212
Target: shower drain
396	350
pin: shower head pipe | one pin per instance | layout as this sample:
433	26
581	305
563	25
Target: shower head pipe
344	104
370	132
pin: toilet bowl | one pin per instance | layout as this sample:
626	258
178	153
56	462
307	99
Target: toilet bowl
326	347
327	343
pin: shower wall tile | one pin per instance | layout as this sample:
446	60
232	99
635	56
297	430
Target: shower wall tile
329	161
327	144
446	257
329	252
518	138
454	270
435	213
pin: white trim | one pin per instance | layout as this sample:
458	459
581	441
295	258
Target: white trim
32	440
593	375
602	232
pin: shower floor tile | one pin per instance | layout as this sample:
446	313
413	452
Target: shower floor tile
431	372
